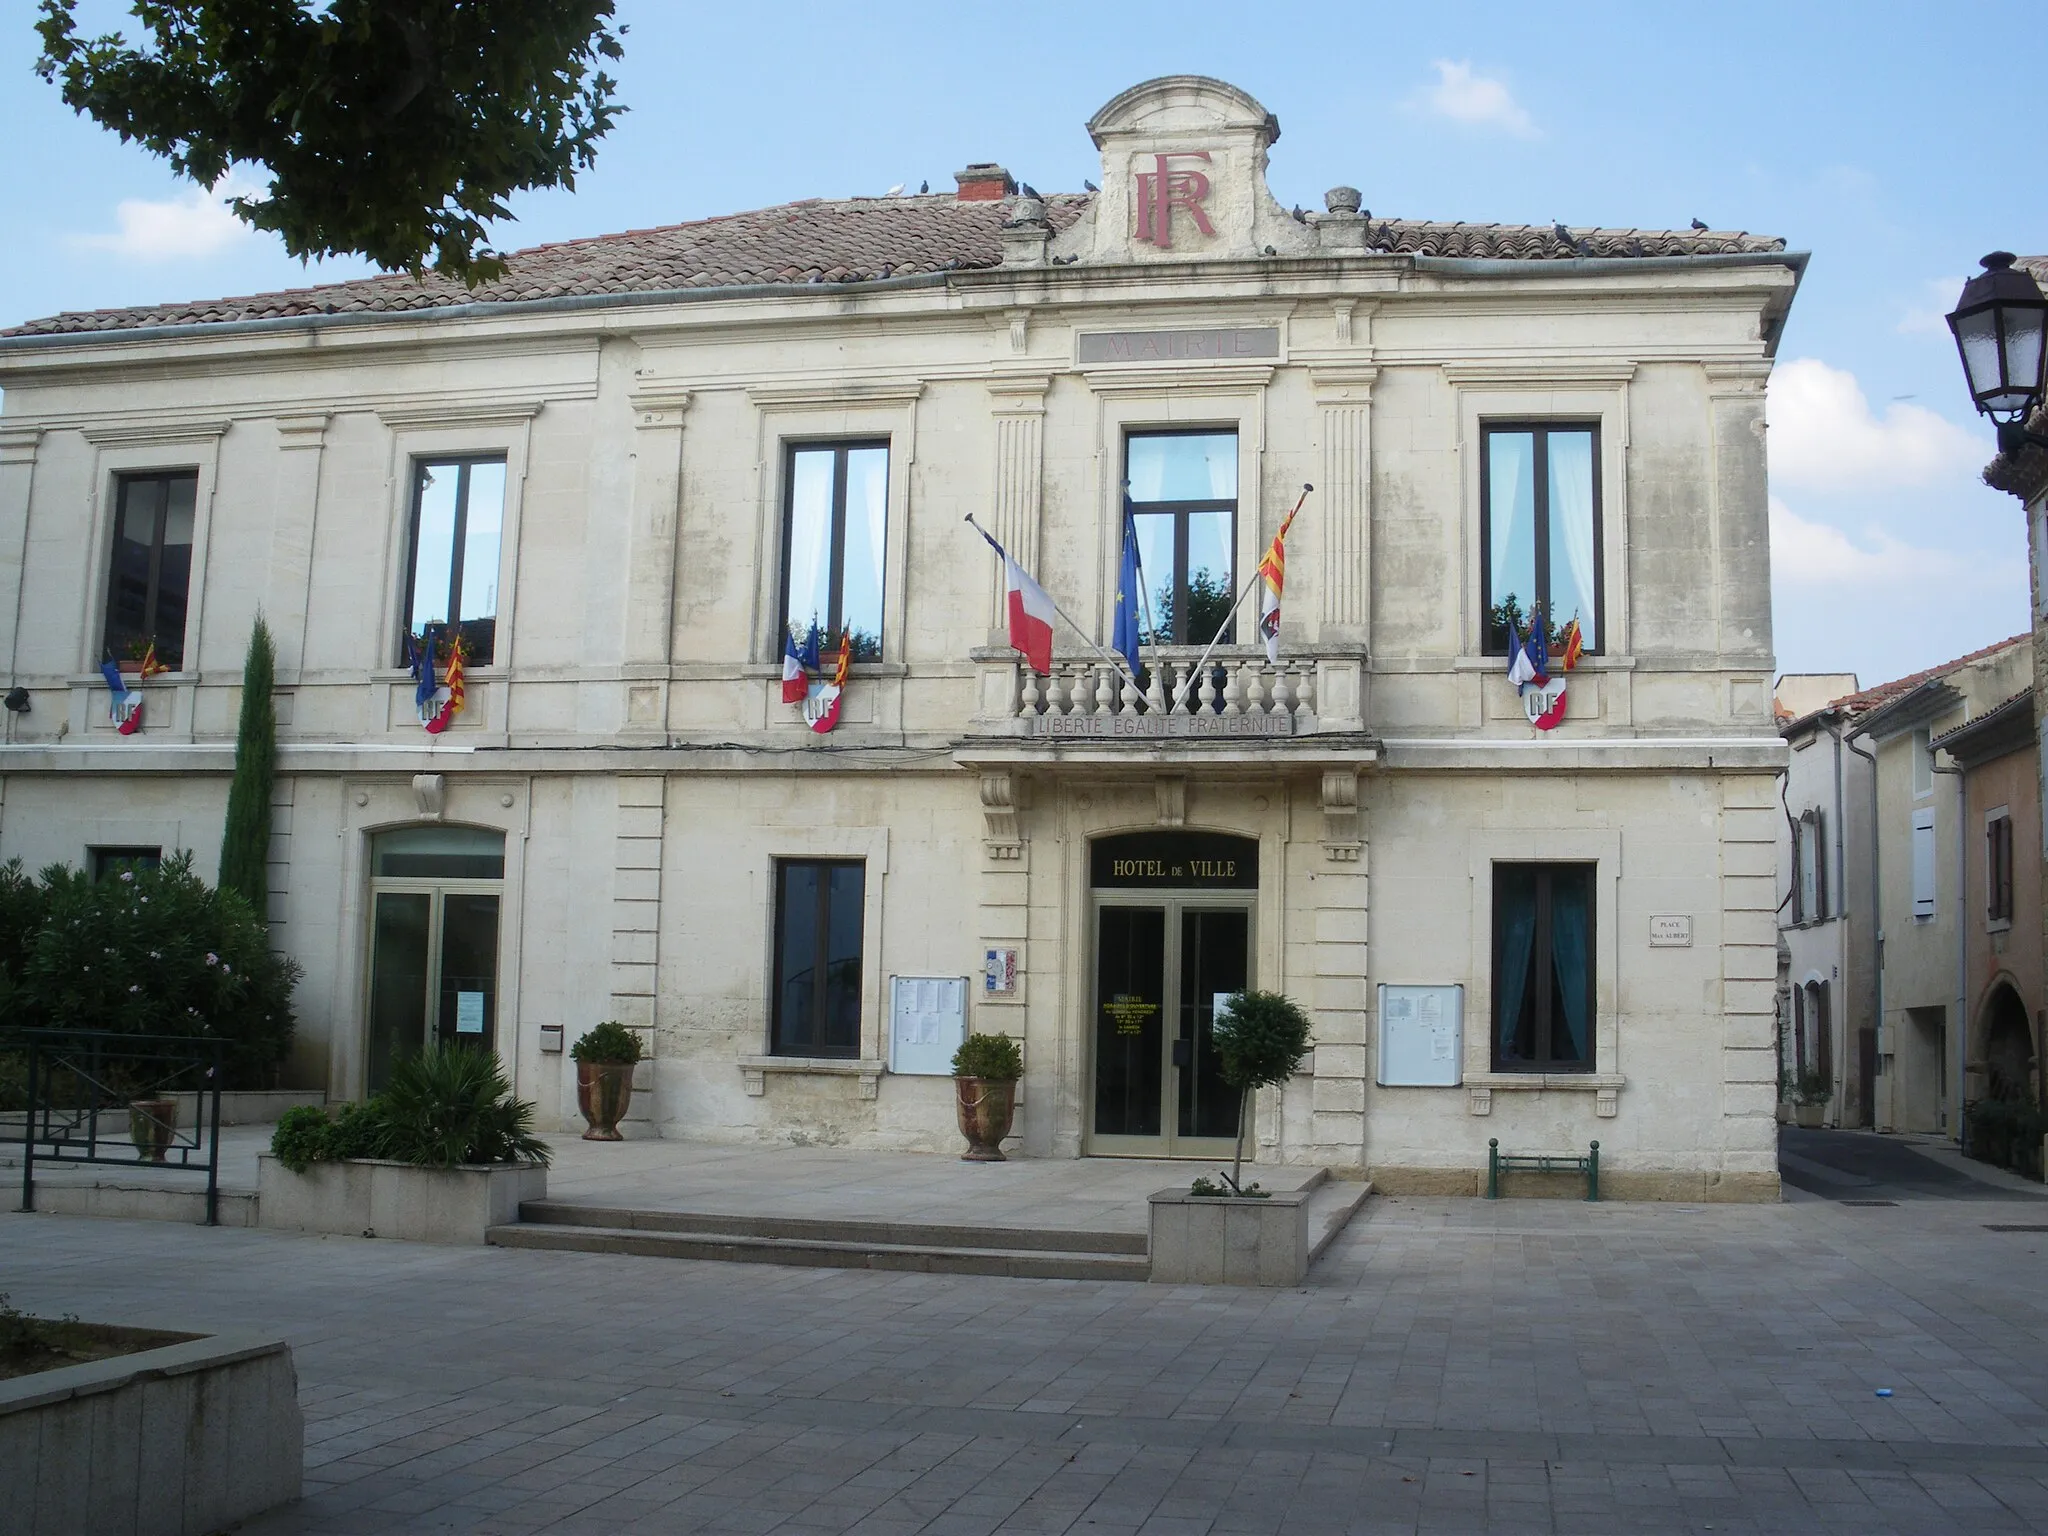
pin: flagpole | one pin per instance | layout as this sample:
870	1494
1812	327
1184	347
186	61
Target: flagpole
1138	561
1109	656
1180	694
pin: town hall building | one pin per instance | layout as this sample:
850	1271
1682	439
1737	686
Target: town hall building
637	470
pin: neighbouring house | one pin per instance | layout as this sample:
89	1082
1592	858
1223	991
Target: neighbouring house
634	476
1828	982
1999	907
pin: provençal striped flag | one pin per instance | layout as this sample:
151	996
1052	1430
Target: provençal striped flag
1274	568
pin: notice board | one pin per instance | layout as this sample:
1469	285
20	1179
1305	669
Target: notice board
927	1022
1422	1036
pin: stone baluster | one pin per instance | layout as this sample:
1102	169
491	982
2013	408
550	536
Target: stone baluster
1280	705
1033	692
1155	687
1233	688
1127	694
1105	690
1254	695
1305	688
1207	692
1177	679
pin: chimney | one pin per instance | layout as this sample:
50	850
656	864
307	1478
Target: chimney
983	182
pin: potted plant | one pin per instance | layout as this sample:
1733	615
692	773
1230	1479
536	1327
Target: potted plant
985	1073
1259	1040
605	1059
1810	1095
152	1122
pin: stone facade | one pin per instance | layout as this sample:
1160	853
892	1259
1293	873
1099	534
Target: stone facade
629	741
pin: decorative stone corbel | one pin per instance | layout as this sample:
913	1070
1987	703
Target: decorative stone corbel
999	817
1479	1101
1606	1102
870	1085
1341	842
429	793
754	1080
1172	792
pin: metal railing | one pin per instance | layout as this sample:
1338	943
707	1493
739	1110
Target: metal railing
101	1097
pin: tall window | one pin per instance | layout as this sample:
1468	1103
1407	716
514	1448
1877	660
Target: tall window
458	526
1810	872
1998	868
1539	531
818	917
1184	498
151	572
834	534
1543	967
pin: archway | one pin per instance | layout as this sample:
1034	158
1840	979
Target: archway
2008	1046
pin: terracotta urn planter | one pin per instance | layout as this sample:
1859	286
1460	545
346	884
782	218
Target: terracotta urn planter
603	1091
151	1125
987	1106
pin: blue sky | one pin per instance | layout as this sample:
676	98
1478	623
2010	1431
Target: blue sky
1859	133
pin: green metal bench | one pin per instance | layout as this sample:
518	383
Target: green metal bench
1541	1162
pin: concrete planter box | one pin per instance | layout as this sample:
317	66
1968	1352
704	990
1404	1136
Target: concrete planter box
375	1198
1225	1240
254	1106
179	1441
1810	1117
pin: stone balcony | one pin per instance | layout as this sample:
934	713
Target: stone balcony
1308	705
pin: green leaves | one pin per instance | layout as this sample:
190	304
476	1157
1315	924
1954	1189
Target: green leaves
1260	1040
993	1057
245	841
394	129
450	1105
610	1041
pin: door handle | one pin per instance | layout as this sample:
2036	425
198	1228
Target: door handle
1184	1054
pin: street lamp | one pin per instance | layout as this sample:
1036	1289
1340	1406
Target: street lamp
1999	325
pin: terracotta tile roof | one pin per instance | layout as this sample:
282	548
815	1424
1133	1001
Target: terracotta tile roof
853	240
1858	704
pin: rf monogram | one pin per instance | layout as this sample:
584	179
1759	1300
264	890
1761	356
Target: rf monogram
1163	189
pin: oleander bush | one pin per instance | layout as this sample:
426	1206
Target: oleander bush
145	952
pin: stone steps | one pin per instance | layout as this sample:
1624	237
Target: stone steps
1039	1254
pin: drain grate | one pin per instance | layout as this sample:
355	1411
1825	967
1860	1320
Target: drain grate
1866	1202
2015	1226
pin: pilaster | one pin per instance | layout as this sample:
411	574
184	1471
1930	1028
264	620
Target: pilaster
651	555
1018	408
1749	971
295	512
1344	569
17	478
636	926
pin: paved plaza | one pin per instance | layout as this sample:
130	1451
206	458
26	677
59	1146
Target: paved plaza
1452	1365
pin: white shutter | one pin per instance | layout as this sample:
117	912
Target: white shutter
1807	863
1923	864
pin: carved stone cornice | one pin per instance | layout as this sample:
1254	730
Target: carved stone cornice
1341	842
999	816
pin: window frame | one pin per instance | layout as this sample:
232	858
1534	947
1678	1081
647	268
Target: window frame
124	479
840	447
104	859
777	1044
464	462
1181	511
1541	428
1548	1063
1998	870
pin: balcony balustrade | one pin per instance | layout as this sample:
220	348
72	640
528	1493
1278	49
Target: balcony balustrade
1236	693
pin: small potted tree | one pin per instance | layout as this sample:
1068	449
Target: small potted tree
605	1059
985	1073
1259	1041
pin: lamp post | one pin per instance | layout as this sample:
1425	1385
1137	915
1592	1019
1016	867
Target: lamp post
1999	326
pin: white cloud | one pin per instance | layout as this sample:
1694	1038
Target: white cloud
195	223
1815	554
1825	437
1930	316
1478	101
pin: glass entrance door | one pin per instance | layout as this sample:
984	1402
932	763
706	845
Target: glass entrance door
1161	967
433	943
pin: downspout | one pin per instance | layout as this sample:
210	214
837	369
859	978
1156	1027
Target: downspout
1876	924
1962	1030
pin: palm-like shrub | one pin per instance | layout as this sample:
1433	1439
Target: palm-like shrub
450	1105
1259	1040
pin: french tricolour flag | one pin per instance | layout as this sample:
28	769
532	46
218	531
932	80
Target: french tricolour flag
798	662
1031	611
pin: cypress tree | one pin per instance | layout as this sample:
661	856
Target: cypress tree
245	842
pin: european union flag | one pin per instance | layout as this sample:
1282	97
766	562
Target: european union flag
807	653
1126	629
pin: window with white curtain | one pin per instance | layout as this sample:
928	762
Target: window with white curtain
1539	531
834	539
1183	495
